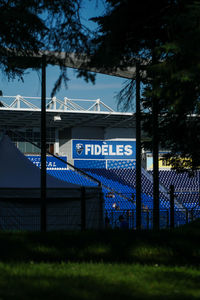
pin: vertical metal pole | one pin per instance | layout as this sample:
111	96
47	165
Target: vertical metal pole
138	150
147	219
171	206
43	217
101	210
133	219
156	206
192	215
83	209
112	219
167	218
186	212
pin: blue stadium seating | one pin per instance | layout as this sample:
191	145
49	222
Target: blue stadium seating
72	177
186	187
118	186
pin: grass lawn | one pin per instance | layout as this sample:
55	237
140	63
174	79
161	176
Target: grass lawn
101	265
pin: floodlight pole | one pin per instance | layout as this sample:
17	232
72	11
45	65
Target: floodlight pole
138	150
43	217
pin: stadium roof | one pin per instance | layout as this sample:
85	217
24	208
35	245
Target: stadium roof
20	112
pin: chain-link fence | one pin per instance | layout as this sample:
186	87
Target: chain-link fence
85	212
117	212
127	218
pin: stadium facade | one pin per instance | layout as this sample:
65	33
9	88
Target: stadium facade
85	132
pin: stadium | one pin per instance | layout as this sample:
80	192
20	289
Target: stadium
91	175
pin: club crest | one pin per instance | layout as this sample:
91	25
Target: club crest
79	149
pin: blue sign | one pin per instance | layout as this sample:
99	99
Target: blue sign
95	149
52	162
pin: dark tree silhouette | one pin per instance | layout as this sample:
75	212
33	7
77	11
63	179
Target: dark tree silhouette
28	26
165	37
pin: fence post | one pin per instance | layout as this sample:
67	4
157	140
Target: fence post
83	209
167	219
186	212
172	206
132	219
128	217
147	219
101	201
107	220
112	220
192	215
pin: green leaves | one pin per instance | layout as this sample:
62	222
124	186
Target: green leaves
169	31
31	25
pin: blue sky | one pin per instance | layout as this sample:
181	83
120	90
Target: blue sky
105	88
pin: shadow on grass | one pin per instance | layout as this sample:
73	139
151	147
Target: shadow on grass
180	247
95	281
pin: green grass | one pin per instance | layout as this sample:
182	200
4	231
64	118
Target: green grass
101	265
97	281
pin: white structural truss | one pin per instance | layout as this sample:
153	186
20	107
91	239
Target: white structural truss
24	112
54	103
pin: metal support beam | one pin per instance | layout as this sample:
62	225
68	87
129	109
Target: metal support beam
43	219
138	150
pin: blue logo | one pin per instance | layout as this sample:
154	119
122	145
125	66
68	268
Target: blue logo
79	149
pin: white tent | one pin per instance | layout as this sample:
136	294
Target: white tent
17	171
20	183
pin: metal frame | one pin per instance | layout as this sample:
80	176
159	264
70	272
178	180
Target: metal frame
23	112
21	102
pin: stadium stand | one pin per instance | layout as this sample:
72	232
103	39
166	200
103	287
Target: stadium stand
186	186
118	186
119	192
179	180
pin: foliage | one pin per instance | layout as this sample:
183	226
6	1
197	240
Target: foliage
28	26
178	89
164	37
